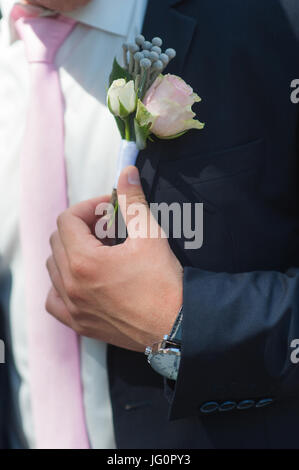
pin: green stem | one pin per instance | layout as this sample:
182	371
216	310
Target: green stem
127	129
142	86
113	215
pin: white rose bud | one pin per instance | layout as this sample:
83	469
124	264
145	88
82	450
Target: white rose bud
122	98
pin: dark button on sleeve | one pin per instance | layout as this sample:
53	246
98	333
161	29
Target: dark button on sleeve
265	402
209	407
228	406
246	404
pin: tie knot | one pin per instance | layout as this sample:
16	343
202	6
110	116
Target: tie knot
43	36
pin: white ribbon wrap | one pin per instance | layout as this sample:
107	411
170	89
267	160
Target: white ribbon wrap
127	156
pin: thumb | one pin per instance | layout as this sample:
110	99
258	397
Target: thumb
133	204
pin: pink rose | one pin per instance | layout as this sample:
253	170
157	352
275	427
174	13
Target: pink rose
170	101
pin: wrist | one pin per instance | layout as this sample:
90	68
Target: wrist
165	356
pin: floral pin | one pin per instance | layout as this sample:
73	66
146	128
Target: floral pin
147	103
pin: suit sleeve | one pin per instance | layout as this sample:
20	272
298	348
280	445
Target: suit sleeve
239	332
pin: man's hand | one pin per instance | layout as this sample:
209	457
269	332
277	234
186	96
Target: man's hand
127	295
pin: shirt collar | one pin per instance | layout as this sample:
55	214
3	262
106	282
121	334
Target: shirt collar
110	16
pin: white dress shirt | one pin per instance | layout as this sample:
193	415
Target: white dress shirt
91	148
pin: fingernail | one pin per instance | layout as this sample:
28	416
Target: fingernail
133	176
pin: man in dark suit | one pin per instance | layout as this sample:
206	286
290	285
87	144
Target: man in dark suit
238	382
3	382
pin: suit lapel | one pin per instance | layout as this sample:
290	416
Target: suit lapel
176	30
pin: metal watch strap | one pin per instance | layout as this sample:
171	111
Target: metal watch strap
164	357
176	332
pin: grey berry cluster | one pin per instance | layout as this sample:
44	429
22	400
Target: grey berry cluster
145	61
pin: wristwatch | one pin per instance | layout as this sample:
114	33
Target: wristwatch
165	356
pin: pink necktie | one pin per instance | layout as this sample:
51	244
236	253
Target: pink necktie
53	349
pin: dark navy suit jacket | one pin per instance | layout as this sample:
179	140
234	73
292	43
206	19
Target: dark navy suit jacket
237	387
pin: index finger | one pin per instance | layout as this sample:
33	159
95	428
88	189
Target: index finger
74	225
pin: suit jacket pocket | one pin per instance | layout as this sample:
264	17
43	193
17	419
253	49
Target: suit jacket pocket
227	183
206	168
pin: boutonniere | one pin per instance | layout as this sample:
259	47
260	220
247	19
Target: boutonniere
145	102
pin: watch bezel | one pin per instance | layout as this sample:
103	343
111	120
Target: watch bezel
166	346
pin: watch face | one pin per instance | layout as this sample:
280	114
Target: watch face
166	364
